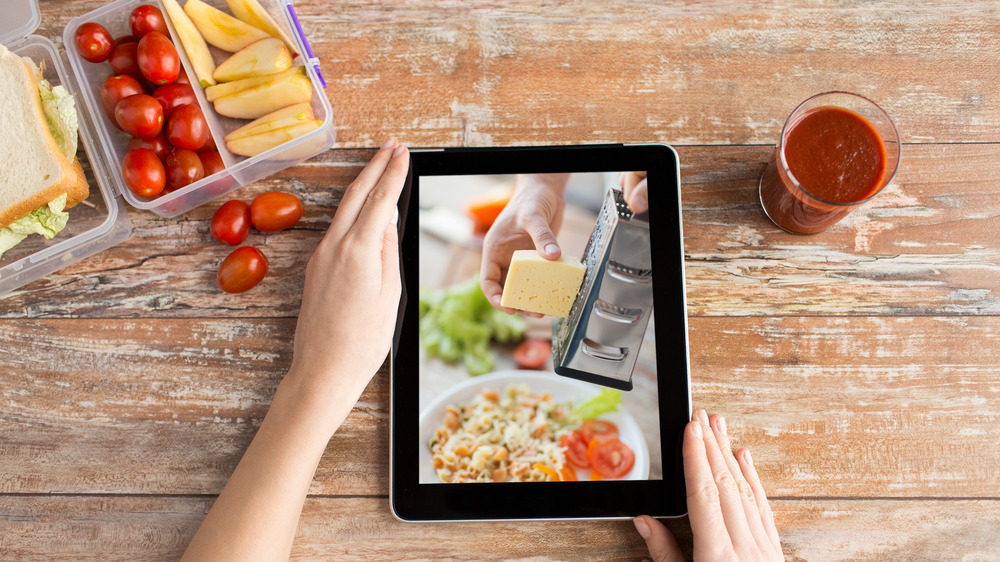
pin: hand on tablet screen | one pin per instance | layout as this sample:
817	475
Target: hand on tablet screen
530	221
728	510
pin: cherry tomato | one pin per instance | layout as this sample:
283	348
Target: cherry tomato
157	58
576	449
146	18
231	223
598	429
158	144
274	211
242	270
126	39
187	127
182	78
612	459
532	354
143	172
183	167
172	96
209	146
212	162
123	60
93	42
114	90
140	115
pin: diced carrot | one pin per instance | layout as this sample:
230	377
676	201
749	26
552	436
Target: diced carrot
547	471
567	473
594	475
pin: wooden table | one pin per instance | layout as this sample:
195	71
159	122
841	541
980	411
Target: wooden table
861	365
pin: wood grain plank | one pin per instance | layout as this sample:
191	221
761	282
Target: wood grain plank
530	72
158	528
847	407
927	246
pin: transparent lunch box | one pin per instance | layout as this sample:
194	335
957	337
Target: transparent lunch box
102	221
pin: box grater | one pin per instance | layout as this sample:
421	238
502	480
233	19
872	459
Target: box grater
599	340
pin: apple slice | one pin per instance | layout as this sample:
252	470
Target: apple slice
227	88
284	117
193	43
250	11
260	58
221	29
258	101
255	144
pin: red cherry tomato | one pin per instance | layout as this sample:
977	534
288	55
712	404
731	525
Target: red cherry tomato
143	172
242	270
212	162
114	90
612	459
125	39
209	145
157	144
93	42
183	167
231	223
274	211
157	58
124	61
187	127
182	78
147	18
598	429
172	96
532	354
576	450
140	116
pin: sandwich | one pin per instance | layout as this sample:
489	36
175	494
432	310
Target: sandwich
40	176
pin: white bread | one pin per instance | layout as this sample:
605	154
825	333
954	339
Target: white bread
33	171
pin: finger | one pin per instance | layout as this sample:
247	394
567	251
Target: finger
661	543
357	193
763	507
489	281
745	490
541	235
729	495
638	201
380	205
391	283
704	510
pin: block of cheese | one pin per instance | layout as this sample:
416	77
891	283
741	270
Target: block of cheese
539	285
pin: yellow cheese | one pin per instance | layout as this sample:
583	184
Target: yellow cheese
539	285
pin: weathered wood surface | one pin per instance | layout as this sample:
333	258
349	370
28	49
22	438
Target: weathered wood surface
158	528
928	245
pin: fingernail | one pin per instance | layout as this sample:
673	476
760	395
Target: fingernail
696	429
551	249
388	143
399	150
703	416
642	527
746	456
722	425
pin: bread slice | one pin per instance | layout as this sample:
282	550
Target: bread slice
33	171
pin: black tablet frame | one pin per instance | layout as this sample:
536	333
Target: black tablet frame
412	501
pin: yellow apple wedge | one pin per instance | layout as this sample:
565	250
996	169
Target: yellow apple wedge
263	99
284	117
267	56
227	88
255	144
221	29
250	11
192	42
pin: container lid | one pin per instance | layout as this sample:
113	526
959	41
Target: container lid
20	19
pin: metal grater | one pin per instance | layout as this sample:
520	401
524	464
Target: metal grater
599	341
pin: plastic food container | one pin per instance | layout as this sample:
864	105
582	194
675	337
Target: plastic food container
101	221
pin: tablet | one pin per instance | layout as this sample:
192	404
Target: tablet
577	414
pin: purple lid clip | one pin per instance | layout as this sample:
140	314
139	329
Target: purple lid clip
310	56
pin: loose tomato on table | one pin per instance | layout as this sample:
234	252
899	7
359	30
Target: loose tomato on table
114	90
124	60
93	42
140	115
612	458
187	127
532	354
158	144
598	429
242	270
157	58
576	449
143	172
147	18
274	211
172	96
183	167
231	223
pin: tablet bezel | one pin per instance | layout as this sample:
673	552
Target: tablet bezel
412	501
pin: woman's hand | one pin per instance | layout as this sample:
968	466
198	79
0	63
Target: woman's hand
634	190
729	514
529	221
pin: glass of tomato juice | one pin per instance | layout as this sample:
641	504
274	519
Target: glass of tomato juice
837	151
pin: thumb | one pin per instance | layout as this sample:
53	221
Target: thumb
541	235
662	545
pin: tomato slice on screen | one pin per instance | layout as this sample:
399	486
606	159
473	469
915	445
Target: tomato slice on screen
598	429
576	449
532	354
612	458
